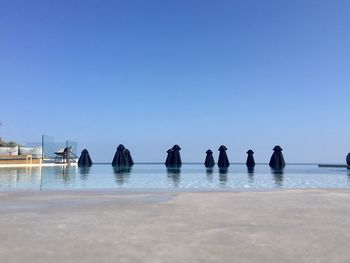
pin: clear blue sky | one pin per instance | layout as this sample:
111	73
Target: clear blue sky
149	74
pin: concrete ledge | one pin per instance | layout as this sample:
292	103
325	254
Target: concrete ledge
106	226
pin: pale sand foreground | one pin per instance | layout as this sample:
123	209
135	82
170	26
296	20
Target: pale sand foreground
106	226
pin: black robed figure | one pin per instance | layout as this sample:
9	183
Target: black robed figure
223	160
173	159
176	159
169	157
122	157
277	161
84	159
209	159
250	159
129	160
119	157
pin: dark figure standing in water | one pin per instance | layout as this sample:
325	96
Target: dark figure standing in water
250	159
84	159
129	160
277	161
176	159
119	157
209	159
223	161
122	157
169	158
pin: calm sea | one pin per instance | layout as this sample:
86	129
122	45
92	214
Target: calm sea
158	177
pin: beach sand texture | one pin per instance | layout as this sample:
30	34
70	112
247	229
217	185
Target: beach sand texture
109	226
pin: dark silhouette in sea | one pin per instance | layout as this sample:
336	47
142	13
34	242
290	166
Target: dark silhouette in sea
84	159
174	158
119	157
122	157
223	160
169	157
277	161
128	158
250	159
209	159
348	159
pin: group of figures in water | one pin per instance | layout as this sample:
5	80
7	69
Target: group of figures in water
122	158
277	161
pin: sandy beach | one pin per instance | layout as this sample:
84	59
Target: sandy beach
109	226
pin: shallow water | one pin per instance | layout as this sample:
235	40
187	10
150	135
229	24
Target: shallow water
189	177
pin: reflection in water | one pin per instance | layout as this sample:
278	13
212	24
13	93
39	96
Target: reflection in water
62	175
155	176
84	172
277	176
28	174
277	171
64	172
223	170
20	176
122	174
210	174
174	175
8	177
223	175
250	171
